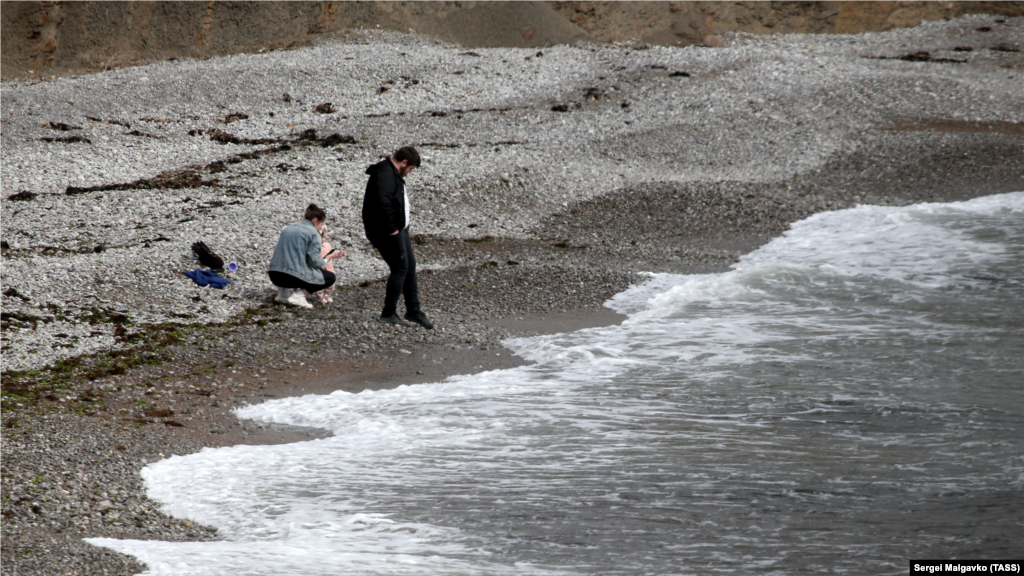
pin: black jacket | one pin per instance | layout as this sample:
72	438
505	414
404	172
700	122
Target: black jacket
384	202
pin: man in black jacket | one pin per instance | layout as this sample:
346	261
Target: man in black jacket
386	222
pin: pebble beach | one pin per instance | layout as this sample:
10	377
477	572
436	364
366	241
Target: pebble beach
551	180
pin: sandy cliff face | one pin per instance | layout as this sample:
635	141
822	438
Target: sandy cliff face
684	23
74	37
56	38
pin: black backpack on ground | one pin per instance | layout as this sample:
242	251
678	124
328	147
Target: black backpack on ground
207	257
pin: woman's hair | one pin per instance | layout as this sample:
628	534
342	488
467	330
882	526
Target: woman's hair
314	212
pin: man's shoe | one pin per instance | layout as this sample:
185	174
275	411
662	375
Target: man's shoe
393	319
282	295
299	299
419	318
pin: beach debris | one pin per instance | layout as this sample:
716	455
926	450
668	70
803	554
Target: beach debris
60	126
165	180
919	56
118	122
22	196
12	293
68	139
924	56
233	117
147	135
335	139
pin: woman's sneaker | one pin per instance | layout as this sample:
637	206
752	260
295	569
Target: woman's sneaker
299	299
282	295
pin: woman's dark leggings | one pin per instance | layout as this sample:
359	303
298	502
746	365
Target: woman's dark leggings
282	280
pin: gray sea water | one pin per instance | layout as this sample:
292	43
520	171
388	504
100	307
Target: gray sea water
848	397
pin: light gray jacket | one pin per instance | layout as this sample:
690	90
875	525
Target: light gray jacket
298	253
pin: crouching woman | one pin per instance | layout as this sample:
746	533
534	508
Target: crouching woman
296	267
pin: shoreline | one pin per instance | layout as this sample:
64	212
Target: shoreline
538	255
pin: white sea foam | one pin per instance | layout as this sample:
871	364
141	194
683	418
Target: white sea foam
509	471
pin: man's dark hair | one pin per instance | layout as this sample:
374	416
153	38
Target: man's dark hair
408	153
314	212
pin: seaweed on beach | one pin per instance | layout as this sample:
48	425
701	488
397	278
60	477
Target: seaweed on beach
23	196
60	126
919	56
67	140
146	346
172	179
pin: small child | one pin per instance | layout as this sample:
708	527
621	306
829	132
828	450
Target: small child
325	249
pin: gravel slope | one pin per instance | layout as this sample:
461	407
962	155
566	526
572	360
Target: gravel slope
550	180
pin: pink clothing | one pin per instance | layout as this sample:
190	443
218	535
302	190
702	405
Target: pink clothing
325	249
325	294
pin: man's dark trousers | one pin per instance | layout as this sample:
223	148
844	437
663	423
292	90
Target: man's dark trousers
397	253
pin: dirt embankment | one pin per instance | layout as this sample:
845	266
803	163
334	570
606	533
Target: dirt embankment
685	23
61	38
